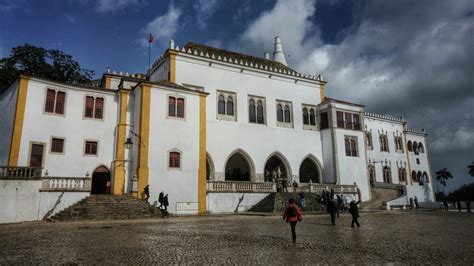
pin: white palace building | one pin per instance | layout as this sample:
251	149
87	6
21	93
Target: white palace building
209	127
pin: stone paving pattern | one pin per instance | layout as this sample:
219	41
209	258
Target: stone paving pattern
384	237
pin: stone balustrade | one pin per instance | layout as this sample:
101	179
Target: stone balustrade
81	184
9	172
267	187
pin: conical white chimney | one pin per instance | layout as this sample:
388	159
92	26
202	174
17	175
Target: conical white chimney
278	54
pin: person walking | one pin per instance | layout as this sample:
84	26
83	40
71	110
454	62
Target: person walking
166	203
411	203
445	204
468	206
160	199
292	215
332	209
354	211
146	191
416	203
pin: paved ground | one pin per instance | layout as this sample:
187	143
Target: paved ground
385	237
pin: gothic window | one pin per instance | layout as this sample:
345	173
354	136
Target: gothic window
426	179
279	113
420	148
252	112
386	175
372	176
305	116
415	147
287	114
309	117
351	146
409	146
402	174
221	105
55	102
398	144
312	117
230	106
419	178
368	140
414	177
384	143
260	116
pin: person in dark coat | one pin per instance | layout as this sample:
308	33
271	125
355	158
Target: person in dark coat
416	203
166	202
292	215
160	199
332	209
146	191
446	205
354	211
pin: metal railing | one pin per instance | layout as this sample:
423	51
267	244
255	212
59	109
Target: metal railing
16	172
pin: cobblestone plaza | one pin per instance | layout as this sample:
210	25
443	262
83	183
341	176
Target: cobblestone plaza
384	237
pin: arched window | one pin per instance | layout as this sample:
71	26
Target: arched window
279	113
260	117
312	117
171	106
386	175
420	148
419	178
174	160
372	176
368	139
383	142
221	105
252	113
415	147
402	174
287	114
230	105
410	146
426	179
305	116
413	177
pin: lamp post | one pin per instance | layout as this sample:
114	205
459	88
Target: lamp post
129	145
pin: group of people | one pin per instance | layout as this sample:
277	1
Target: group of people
162	199
456	204
293	213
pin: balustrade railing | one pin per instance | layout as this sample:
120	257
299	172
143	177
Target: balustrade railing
9	172
243	186
81	184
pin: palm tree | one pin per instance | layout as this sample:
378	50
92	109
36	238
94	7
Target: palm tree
442	176
471	169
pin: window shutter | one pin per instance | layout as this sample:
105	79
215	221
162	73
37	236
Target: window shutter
171	106
89	107
50	97
99	107
180	109
60	98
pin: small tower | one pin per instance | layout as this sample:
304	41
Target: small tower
278	54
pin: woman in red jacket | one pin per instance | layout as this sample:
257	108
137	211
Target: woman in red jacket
292	215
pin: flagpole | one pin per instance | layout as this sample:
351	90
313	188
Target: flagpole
149	56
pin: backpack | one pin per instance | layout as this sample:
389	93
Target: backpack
292	212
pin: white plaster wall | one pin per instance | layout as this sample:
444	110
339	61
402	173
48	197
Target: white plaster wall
7	109
19	200
326	139
40	127
425	192
392	157
167	134
259	141
227	202
114	83
352	169
161	72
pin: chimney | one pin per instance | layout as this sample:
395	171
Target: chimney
171	44
266	56
278	54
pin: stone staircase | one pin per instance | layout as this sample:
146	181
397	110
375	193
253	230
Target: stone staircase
379	197
277	201
107	207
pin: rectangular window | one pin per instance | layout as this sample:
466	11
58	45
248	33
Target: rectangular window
348	122
99	107
180	108
174	160
50	98
57	145
171	106
89	110
60	99
324	120
340	119
36	156
91	148
356	121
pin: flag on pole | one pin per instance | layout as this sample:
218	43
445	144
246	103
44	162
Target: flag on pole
150	39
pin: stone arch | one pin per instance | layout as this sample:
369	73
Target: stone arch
272	161
232	175
312	159
101	183
210	168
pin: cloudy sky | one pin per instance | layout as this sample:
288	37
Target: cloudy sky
403	58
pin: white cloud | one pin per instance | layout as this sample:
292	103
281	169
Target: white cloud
453	140
163	27
70	18
111	6
204	10
8	5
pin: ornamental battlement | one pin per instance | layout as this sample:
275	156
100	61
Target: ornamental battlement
385	117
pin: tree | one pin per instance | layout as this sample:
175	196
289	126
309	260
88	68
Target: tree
42	63
442	176
471	169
